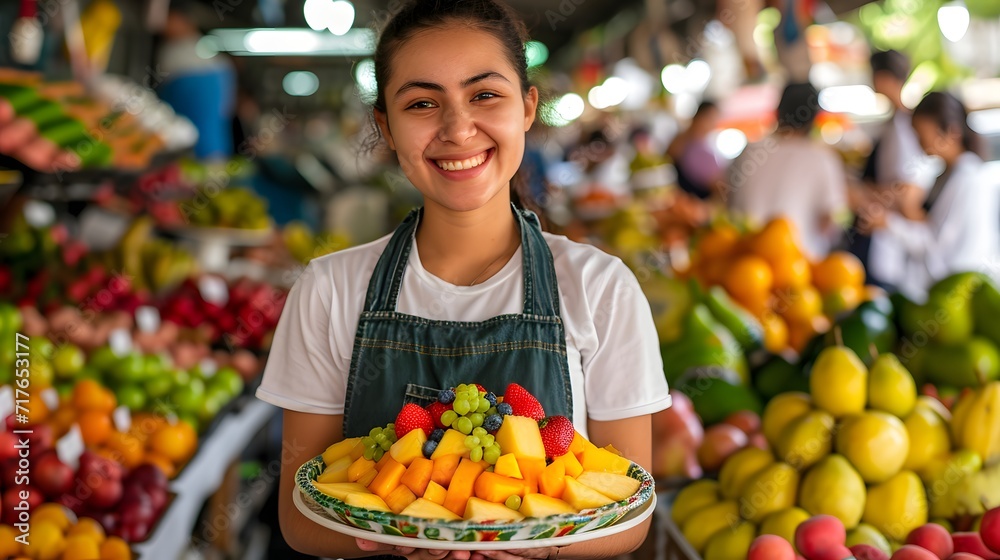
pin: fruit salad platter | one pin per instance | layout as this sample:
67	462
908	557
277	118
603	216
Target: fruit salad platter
474	467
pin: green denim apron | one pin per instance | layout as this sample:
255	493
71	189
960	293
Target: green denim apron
401	358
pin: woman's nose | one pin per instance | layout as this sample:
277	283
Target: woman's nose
457	126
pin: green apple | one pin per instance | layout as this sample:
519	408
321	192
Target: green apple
154	365
103	359
132	396
159	386
41	347
89	372
228	380
188	397
130	369
67	361
181	377
211	404
10	319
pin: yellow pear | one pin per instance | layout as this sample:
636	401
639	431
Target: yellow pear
732	543
866	534
783	523
781	411
897	506
927	429
876	443
839	382
708	521
890	387
772	489
693	497
846	502
807	439
740	467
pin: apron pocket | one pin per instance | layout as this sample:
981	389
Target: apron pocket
420	395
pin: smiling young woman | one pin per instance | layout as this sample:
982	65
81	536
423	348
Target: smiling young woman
466	271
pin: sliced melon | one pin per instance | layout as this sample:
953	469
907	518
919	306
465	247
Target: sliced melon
422	507
481	510
583	497
540	505
615	486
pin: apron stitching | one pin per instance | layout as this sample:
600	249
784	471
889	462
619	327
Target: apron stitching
464	350
394	316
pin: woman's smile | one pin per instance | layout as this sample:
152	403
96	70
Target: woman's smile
462	167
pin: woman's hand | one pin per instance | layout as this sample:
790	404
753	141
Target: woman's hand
525	554
413	553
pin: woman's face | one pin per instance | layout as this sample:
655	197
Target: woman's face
933	140
456	116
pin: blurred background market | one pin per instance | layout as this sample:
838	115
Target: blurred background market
808	192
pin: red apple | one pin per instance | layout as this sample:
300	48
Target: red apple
721	441
104	492
835	552
913	552
148	476
41	438
770	547
964	556
989	529
137	506
7	443
746	420
14	501
53	476
868	552
678	424
972	542
934	538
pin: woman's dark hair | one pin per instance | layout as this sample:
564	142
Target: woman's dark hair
892	62
798	106
948	113
490	16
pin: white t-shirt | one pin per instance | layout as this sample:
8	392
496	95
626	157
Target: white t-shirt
792	177
614	362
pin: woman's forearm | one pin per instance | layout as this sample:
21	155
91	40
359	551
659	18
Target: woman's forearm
607	547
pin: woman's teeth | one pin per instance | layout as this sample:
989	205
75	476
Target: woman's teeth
475	161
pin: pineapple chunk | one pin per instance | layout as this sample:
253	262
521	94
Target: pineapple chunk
583	497
519	435
335	471
340	449
422	507
367	478
366	501
482	510
435	493
507	466
540	505
409	447
453	443
398	499
598	459
615	486
340	490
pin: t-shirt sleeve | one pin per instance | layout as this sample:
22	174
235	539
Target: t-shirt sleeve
301	372
834	195
623	377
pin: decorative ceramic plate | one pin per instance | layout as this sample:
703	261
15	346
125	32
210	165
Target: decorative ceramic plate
338	514
317	514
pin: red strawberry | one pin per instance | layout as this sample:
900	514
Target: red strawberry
522	402
437	409
557	433
481	388
413	416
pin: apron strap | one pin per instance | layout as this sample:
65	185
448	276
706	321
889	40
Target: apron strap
541	291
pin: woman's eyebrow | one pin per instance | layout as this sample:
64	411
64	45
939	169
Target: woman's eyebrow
438	87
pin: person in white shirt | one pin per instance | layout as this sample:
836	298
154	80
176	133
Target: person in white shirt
789	174
466	290
960	228
896	175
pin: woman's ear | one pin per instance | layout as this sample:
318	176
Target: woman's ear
382	120
530	107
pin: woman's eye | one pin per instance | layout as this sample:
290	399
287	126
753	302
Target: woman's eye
485	95
421	105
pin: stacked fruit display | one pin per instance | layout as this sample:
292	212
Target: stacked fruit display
475	456
767	273
56	534
895	460
232	207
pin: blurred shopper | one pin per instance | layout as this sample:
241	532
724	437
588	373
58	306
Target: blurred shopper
201	89
699	171
895	177
961	227
789	174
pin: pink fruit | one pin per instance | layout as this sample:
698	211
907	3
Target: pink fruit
53	476
105	493
989	529
934	538
759	441
972	542
675	458
148	476
868	552
913	552
7	443
964	556
746	420
721	441
770	547
835	552
677	423
819	533
17	498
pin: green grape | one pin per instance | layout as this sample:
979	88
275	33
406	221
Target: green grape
367	441
479	432
484	405
492	410
381	438
471	441
463	425
513	502
385	445
391	427
492	454
369	453
448	416
374	432
488	440
476	455
377	456
461	407
477	419
474	404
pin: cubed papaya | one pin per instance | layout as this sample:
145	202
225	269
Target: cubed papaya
572	464
398	499
435	493
531	469
602	460
417	475
580	444
497	488
552	482
444	469
359	468
388	478
381	462
507	466
461	487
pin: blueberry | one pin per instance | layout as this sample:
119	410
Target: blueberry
429	447
493	422
446	396
492	398
437	434
504	409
